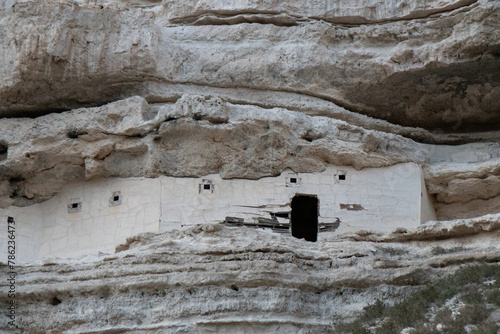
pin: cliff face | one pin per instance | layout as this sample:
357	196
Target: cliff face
253	78
245	89
200	135
236	280
430	64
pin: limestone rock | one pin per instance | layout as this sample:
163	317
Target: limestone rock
92	89
214	278
196	136
200	134
417	63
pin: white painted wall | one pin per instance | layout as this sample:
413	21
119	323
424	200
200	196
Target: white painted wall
48	230
427	211
390	197
28	229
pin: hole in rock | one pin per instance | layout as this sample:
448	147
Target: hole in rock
304	217
3	151
206	186
293	180
75	133
16	179
116	198
342	177
55	301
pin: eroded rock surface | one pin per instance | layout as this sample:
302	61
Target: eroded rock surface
247	89
200	134
126	88
218	279
417	63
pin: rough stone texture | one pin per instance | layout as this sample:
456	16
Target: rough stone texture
416	63
237	89
103	88
231	280
199	135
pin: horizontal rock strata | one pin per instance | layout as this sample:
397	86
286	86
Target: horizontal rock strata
213	278
416	63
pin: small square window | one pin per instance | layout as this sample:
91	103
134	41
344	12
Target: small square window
74	206
206	187
341	177
293	180
115	199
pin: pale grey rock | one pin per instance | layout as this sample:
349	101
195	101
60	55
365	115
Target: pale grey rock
469	209
246	89
196	136
416	63
200	134
344	11
232	280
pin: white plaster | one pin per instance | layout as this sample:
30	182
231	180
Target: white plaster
427	211
390	197
47	230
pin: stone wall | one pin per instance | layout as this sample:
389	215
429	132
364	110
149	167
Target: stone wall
56	229
96	216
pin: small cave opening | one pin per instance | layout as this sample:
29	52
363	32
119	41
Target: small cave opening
55	301
310	136
15	180
75	133
3	150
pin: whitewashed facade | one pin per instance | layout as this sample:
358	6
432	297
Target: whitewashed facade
94	216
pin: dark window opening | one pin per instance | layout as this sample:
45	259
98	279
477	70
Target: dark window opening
206	187
293	180
115	199
74	207
304	217
341	177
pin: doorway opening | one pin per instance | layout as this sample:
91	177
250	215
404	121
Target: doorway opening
304	218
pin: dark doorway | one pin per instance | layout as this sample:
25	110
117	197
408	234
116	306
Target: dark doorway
305	217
